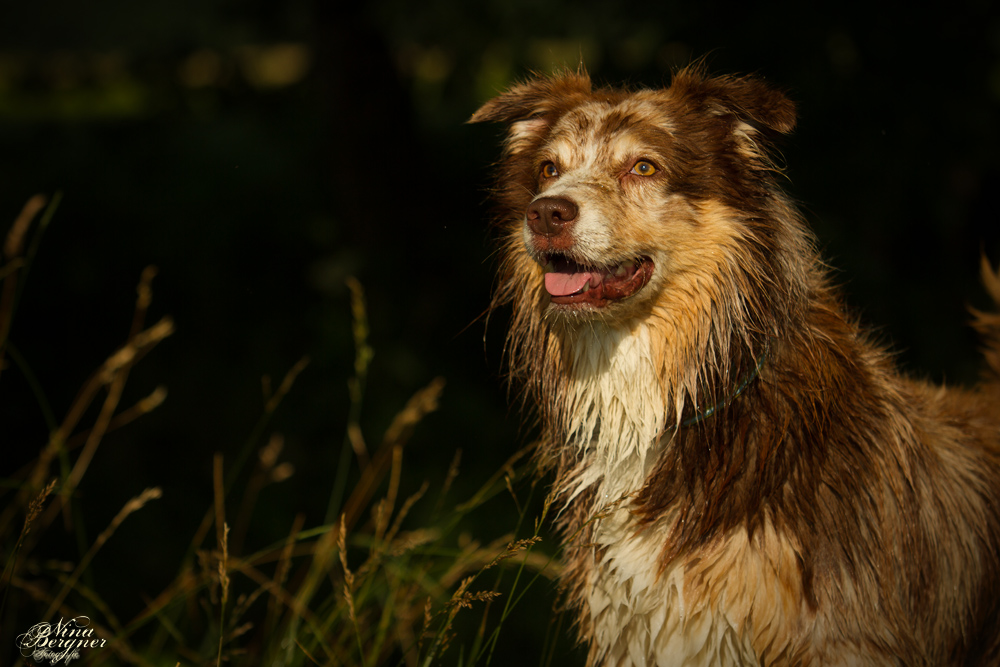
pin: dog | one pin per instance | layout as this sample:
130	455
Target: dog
744	477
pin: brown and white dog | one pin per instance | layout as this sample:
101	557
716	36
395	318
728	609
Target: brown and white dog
745	478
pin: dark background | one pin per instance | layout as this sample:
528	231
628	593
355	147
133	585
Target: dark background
258	153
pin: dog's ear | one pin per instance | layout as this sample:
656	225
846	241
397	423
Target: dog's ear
762	108
530	108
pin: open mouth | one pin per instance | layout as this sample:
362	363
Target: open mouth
569	282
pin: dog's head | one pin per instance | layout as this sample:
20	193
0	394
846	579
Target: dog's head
618	203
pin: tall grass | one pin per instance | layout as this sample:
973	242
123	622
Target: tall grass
366	587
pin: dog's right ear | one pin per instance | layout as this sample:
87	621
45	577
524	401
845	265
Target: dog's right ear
530	108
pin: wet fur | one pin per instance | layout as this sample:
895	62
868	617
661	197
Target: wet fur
835	512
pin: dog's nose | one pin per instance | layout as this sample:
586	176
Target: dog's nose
548	216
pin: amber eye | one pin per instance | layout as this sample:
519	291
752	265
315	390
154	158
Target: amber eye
644	168
549	170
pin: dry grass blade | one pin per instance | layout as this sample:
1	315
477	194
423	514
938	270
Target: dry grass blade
422	403
510	489
142	406
359	316
487	488
419	406
10	567
453	469
460	599
113	372
219	497
357	440
274	588
13	249
36	505
131	506
271	405
14	244
513	548
144	297
286	384
267	471
348	584
323	554
223	575
363	354
404	510
465	600
395	472
281	572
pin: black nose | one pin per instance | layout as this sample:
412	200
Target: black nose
549	216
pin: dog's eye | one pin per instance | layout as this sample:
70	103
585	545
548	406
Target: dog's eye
549	170
644	168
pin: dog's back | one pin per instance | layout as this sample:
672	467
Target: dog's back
746	479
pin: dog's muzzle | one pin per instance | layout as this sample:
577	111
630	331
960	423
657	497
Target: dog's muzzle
569	281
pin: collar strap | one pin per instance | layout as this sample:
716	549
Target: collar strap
739	390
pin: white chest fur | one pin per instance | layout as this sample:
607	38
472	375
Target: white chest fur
642	617
696	613
616	403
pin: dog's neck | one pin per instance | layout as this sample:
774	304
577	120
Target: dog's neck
623	405
617	410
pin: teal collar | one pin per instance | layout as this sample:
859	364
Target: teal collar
739	390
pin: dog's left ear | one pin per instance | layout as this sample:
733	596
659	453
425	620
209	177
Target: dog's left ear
530	108
749	99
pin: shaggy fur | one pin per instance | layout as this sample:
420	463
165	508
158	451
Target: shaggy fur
745	478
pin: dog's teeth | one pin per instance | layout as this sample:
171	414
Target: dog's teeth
621	270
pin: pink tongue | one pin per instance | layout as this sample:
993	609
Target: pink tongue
565	284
